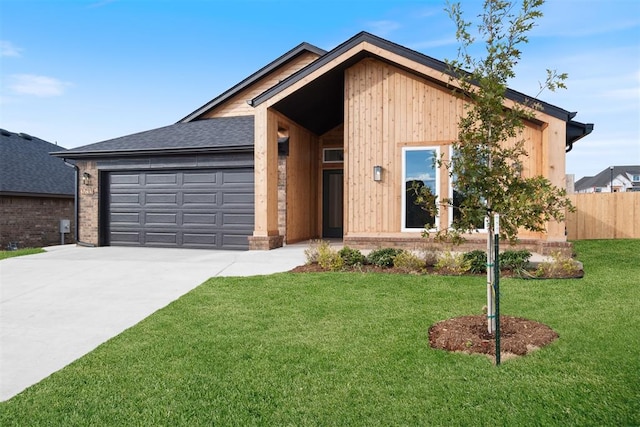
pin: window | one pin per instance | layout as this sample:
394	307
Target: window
418	168
332	155
458	197
636	178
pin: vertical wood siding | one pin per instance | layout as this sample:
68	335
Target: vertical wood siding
387	108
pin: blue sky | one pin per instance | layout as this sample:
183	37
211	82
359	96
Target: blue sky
83	71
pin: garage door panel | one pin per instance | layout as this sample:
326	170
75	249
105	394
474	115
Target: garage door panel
195	178
125	199
200	239
191	208
237	177
237	198
125	179
125	218
160	218
235	219
163	238
202	199
128	237
199	219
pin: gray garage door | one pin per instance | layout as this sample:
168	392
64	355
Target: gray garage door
189	209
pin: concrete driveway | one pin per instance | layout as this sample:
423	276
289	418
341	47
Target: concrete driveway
57	306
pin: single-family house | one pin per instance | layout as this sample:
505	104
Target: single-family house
614	179
315	144
36	192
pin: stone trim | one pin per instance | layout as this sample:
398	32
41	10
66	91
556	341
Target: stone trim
265	243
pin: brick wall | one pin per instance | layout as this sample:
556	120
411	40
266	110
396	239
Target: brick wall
88	203
34	221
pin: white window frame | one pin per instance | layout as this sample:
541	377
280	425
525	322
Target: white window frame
403	190
450	208
326	150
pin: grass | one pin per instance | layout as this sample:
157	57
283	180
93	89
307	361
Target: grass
20	252
351	349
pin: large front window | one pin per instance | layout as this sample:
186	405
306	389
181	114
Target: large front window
419	169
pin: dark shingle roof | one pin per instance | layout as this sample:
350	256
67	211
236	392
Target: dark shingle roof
27	168
223	133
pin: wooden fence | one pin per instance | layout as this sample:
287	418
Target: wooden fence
604	216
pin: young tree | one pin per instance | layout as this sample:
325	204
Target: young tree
487	156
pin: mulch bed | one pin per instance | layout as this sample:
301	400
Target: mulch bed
469	334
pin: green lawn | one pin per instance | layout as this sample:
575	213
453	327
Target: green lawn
352	349
20	252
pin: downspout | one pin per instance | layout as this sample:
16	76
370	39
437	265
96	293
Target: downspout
76	206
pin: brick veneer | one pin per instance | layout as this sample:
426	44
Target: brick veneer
88	203
34	221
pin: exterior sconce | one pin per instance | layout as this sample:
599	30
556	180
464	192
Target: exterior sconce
86	178
377	173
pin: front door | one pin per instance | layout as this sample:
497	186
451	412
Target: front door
332	202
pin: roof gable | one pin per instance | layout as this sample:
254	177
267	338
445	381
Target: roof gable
253	78
27	168
327	70
603	179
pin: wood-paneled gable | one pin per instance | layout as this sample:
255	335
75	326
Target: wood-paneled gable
387	108
237	105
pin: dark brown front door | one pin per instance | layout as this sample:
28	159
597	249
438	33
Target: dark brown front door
332	202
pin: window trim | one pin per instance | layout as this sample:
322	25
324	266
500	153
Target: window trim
403	183
484	228
326	150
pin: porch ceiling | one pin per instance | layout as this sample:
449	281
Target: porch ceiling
318	106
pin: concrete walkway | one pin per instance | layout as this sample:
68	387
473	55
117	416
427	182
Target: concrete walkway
57	306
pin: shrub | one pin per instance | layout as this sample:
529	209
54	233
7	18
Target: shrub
312	252
408	262
351	257
514	260
560	266
452	264
383	257
329	259
477	261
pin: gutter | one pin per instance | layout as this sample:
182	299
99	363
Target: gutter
76	206
576	131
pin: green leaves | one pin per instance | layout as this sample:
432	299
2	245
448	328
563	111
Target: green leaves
487	162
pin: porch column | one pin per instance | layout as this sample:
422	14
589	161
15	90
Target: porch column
553	167
265	234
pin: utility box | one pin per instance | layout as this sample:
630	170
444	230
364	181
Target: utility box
65	226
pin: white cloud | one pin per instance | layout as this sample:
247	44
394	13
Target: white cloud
31	84
8	49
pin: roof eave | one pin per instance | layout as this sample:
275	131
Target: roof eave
148	152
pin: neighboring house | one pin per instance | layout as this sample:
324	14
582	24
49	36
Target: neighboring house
315	144
613	179
36	192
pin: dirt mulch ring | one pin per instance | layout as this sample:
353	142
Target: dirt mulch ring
468	334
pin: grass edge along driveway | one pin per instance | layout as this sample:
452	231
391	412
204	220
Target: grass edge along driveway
352	349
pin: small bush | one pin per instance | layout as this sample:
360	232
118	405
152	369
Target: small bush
408	262
351	257
452	264
383	257
431	257
514	260
477	261
560	266
313	251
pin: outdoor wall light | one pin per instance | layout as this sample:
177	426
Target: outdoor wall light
86	178
377	173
